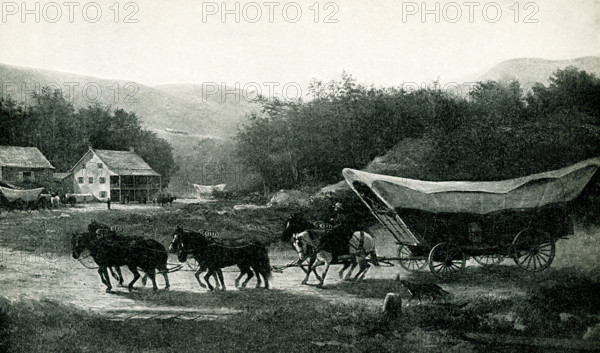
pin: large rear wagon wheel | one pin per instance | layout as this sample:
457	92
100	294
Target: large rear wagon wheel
533	250
446	260
408	260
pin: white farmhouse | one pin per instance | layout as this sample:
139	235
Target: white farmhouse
121	175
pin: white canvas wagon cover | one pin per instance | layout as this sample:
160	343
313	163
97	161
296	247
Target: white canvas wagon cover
478	197
208	189
25	195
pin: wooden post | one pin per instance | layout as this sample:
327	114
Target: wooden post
392	306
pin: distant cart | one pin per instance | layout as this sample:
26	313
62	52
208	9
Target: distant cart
441	224
19	199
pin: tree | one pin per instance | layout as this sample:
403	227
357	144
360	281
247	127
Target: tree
570	92
54	128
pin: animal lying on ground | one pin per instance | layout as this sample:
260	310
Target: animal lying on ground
423	290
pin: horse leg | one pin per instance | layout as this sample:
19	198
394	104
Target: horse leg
165	272
258	280
119	274
364	267
105	279
220	274
314	270
311	262
349	274
218	284
210	272
250	274
346	265
136	275
265	277
237	279
150	272
327	264
197	274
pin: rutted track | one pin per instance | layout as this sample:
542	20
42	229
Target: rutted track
31	275
58	277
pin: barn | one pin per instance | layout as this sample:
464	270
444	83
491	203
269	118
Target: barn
121	175
24	164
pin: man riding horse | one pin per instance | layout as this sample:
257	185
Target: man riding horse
336	245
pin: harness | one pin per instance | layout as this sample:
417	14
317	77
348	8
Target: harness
211	242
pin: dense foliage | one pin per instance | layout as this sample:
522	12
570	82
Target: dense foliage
63	135
497	131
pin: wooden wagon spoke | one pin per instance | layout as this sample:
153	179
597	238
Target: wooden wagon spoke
525	258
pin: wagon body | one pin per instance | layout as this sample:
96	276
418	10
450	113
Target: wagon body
474	218
485	232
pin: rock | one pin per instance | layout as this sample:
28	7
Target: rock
592	333
564	317
290	198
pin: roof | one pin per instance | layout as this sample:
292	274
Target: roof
27	157
125	163
60	176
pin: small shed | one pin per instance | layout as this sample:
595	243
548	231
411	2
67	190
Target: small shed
121	175
24	164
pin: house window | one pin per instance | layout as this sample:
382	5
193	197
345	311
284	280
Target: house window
100	166
102	194
91	180
102	180
27	176
80	180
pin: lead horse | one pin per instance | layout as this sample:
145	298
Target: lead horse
133	252
339	245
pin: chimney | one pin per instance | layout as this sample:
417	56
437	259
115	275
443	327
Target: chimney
131	149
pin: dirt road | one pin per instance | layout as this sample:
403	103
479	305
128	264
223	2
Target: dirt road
39	276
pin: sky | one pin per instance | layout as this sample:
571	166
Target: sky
382	42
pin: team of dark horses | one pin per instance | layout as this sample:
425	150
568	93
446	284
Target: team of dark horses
111	250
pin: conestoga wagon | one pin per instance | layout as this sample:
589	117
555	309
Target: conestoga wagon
441	224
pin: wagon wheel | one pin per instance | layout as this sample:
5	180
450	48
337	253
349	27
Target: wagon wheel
446	260
533	249
408	260
489	260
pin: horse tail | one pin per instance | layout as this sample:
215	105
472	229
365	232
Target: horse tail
265	262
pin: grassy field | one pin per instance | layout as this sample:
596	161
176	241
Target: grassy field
560	303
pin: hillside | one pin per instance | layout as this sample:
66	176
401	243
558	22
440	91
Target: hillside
530	70
202	115
178	107
199	122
